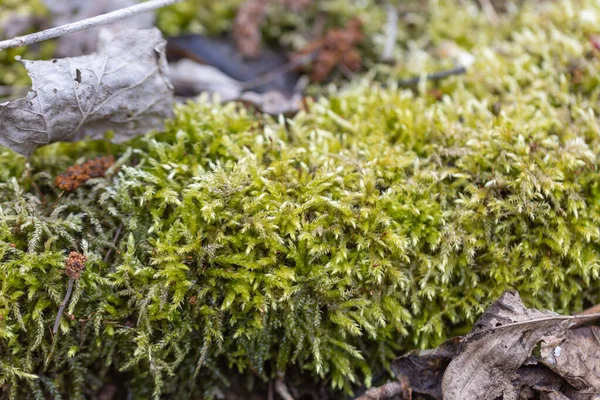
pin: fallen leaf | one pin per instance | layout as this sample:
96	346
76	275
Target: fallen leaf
503	338
124	88
85	42
533	381
190	78
424	369
222	54
575	356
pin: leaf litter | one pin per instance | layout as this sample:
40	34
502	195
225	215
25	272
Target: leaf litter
512	352
123	88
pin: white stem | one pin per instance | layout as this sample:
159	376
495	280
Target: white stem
86	23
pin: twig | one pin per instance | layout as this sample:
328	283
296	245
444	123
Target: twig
62	305
436	76
391	32
86	23
281	388
386	391
588	317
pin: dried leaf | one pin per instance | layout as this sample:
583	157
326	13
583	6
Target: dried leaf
532	381
575	356
424	369
124	87
221	54
487	359
190	78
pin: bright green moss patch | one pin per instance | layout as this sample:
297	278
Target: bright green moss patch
378	220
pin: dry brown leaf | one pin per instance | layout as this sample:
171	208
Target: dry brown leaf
575	356
424	369
487	358
124	88
495	360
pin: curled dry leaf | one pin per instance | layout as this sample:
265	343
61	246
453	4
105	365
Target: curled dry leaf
424	369
222	55
123	88
487	358
191	78
495	360
575	355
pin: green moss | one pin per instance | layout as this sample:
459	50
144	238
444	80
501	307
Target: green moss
376	221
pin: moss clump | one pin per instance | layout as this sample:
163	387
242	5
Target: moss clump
371	223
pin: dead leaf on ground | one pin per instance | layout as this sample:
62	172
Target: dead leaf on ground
190	78
424	369
534	381
575	356
495	360
207	65
487	358
123	88
222	54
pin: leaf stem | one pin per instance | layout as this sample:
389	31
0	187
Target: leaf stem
62	306
545	319
85	24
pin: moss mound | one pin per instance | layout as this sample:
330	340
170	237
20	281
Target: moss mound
378	220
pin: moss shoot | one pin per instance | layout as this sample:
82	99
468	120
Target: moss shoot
378	220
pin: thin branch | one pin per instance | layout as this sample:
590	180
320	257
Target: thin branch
391	32
62	305
281	388
386	391
436	76
545	319
85	24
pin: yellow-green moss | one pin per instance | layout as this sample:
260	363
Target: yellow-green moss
378	220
